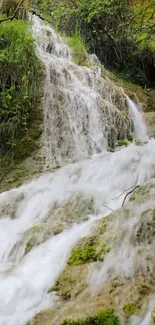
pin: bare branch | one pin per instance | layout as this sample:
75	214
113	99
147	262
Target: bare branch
117	197
108	208
129	193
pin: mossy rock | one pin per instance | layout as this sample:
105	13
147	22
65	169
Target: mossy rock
105	317
146	229
135	92
38	234
150	122
71	282
88	250
130	309
124	142
13	174
143	191
9	209
29	245
76	209
139	142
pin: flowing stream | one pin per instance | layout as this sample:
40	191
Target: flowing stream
77	141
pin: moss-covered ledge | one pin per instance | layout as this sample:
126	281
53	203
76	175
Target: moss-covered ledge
104	317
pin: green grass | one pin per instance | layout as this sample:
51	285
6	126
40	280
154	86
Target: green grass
79	49
105	317
20	75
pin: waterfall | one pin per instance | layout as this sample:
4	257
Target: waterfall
81	116
140	129
84	113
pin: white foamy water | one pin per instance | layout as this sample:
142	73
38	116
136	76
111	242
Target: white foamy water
82	111
75	95
24	281
140	130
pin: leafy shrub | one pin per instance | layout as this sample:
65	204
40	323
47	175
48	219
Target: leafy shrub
79	49
120	32
20	77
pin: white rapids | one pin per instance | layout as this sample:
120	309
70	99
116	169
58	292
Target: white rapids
103	176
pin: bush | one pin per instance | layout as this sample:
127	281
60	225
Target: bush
79	49
20	78
120	32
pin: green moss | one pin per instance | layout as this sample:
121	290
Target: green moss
105	317
153	317
124	142
88	250
130	308
14	174
130	137
102	226
37	229
29	245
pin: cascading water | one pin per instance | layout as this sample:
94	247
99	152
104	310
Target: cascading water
139	125
82	110
74	129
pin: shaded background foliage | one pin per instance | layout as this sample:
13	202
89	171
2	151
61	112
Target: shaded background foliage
120	32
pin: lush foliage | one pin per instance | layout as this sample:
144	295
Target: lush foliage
19	77
105	317
79	49
120	32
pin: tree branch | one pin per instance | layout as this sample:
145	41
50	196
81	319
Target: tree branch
108	208
14	14
129	193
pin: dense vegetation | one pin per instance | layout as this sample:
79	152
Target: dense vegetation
120	32
20	77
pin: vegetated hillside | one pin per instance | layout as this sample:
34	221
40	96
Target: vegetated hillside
20	90
120	32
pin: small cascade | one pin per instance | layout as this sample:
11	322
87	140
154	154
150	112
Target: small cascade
83	113
140	130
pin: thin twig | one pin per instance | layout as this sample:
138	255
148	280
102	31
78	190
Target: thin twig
108	208
129	193
114	198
